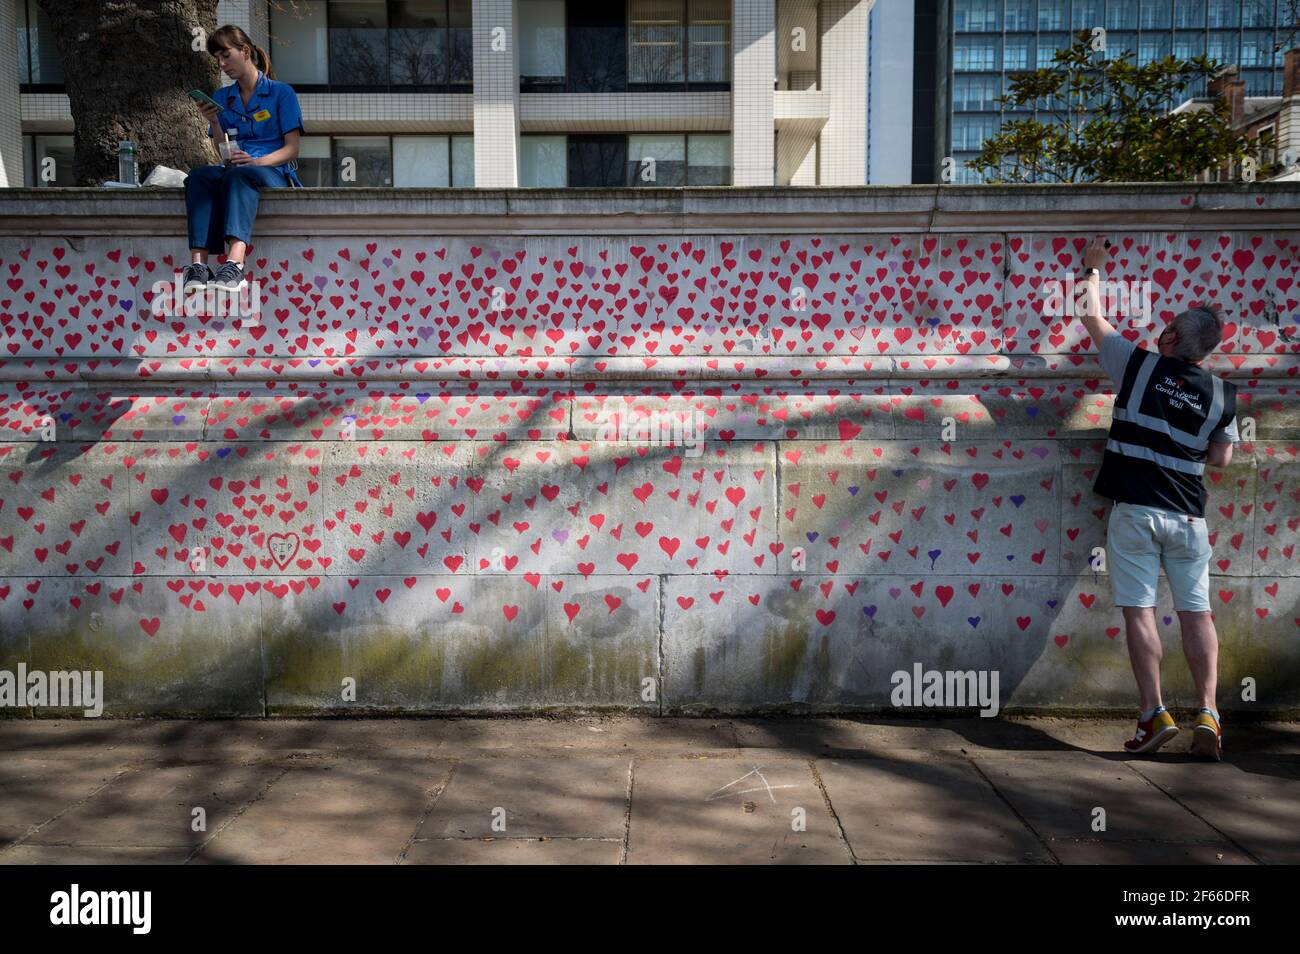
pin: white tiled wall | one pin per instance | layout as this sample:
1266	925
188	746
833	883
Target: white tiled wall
844	77
796	155
251	15
753	71
496	94
11	137
630	112
386	112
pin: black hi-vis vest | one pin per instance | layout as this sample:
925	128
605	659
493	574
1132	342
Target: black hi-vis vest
1160	430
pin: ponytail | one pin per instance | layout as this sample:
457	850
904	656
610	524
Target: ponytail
231	37
263	62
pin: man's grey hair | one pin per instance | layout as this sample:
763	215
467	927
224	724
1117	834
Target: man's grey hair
1198	331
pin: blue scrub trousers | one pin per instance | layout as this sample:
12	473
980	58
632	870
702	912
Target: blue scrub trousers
221	201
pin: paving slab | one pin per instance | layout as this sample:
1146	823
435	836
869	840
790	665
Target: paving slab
1059	795
35	789
514	851
532	798
730	811
1082	851
915	810
92	855
349	812
155	806
1256	804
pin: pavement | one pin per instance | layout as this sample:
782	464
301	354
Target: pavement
639	790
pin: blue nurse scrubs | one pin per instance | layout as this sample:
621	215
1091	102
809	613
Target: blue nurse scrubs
221	201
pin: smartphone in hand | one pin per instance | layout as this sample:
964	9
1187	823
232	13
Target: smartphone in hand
204	99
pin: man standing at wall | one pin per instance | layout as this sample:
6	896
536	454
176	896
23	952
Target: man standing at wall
1170	419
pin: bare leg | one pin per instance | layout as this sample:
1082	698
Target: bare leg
236	252
198	255
1201	649
1144	652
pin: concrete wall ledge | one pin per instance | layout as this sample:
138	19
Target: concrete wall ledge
368	211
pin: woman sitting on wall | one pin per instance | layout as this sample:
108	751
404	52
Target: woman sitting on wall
264	122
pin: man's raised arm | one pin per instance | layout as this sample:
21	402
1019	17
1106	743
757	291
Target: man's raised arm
1094	257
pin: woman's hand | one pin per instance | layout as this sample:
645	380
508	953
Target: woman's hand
240	158
1096	254
211	114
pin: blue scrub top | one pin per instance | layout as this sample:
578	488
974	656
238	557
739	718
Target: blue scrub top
260	126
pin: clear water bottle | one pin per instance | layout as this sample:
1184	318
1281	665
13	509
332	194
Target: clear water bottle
126	168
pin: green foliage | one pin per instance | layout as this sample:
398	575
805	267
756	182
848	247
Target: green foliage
1111	122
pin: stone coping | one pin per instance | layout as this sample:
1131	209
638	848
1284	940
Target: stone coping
743	210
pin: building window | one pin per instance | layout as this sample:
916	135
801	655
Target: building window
1256	48
1223	13
369	45
1156	14
666	38
656	159
398	161
1187	45
1257	13
1189	14
541	41
1121	15
47	161
976	16
1267	136
1152	47
708	34
39	63
1017	52
1222	47
654	39
543	162
1120	44
462	162
421	162
970	131
1048	45
1019	15
708	159
1051	14
300	44
358	48
362	161
668	159
314	165
1087	14
417	45
975	53
597	159
976	92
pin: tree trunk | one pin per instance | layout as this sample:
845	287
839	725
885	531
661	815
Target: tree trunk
128	66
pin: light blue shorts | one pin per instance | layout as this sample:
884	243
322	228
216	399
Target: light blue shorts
1139	539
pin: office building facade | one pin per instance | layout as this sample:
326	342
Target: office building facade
526	93
990	40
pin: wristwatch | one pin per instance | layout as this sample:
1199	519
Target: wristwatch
1092	271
